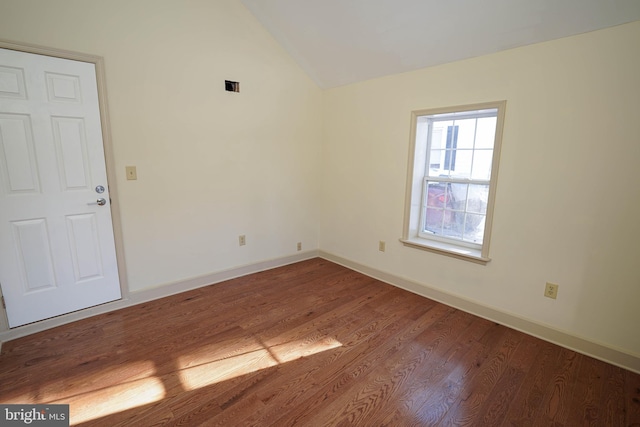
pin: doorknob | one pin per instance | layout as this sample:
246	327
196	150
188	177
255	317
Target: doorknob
99	202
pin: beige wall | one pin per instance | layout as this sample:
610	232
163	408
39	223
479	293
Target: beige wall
211	164
568	196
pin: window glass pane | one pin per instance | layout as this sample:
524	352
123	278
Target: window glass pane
442	221
486	132
474	228
466	133
437	214
453	231
436	162
439	143
458	196
460	163
482	164
434	219
438	194
477	199
439	135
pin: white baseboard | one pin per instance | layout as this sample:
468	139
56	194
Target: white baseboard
155	293
565	339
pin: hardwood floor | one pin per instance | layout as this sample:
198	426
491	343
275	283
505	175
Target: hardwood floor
310	344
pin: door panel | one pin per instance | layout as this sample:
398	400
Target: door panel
73	164
34	254
84	241
12	83
57	251
18	161
63	88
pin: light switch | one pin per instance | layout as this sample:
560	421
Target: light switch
131	172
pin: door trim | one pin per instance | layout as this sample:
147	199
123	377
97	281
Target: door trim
98	62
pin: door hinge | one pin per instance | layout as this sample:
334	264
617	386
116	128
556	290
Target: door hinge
3	304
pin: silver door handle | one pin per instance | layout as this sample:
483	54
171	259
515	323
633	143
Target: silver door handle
99	202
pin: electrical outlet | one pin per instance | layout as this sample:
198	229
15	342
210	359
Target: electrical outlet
242	240
551	290
299	247
132	174
382	246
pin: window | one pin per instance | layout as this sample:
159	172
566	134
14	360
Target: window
451	182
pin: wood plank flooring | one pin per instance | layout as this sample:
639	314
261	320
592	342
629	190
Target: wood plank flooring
310	344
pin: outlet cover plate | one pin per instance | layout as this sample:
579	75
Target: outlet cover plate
551	290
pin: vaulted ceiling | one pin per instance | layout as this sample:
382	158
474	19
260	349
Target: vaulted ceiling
338	42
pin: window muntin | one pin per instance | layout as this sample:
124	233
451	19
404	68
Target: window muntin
454	156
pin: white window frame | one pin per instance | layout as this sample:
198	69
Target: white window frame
417	177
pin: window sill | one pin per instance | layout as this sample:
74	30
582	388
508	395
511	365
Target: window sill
465	254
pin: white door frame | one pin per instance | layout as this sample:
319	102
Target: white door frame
108	154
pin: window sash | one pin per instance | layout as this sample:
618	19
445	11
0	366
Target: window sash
423	215
463	115
447	179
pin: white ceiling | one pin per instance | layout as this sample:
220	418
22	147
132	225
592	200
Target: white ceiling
338	42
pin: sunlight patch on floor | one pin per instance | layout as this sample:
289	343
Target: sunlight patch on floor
111	400
221	370
302	348
215	371
213	366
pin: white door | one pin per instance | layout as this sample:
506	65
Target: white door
57	252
